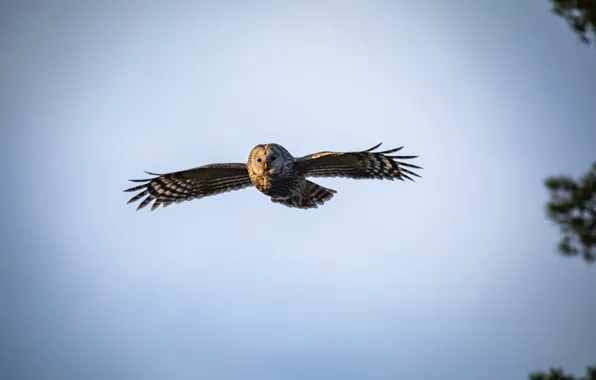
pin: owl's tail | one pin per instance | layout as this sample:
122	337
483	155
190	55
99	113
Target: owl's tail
311	196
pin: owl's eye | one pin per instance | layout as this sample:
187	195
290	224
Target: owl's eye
273	158
259	160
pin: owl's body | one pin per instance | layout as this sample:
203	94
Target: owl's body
271	169
275	173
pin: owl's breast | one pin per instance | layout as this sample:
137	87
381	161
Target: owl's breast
263	183
277	186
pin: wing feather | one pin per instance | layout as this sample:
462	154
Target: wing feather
358	165
190	184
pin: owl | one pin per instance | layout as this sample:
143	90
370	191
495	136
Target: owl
275	173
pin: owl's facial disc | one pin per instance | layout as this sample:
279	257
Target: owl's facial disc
271	161
266	160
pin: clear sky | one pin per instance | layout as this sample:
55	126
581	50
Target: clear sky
454	276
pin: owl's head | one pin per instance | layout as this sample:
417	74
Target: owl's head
267	159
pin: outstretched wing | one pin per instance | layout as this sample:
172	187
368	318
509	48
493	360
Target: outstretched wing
357	165
189	184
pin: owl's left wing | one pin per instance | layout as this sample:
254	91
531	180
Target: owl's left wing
190	184
357	165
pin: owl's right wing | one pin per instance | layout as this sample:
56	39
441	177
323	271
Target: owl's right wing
190	184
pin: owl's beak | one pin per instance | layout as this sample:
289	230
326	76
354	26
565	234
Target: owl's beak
266	166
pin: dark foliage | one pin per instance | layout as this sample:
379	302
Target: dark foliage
559	374
581	16
573	207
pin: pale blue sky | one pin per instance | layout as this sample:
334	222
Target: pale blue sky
452	277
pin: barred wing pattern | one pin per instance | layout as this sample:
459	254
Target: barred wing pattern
190	184
357	165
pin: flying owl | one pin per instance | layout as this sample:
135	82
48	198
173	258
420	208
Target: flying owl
275	173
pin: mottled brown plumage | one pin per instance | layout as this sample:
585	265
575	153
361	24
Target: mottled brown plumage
275	173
